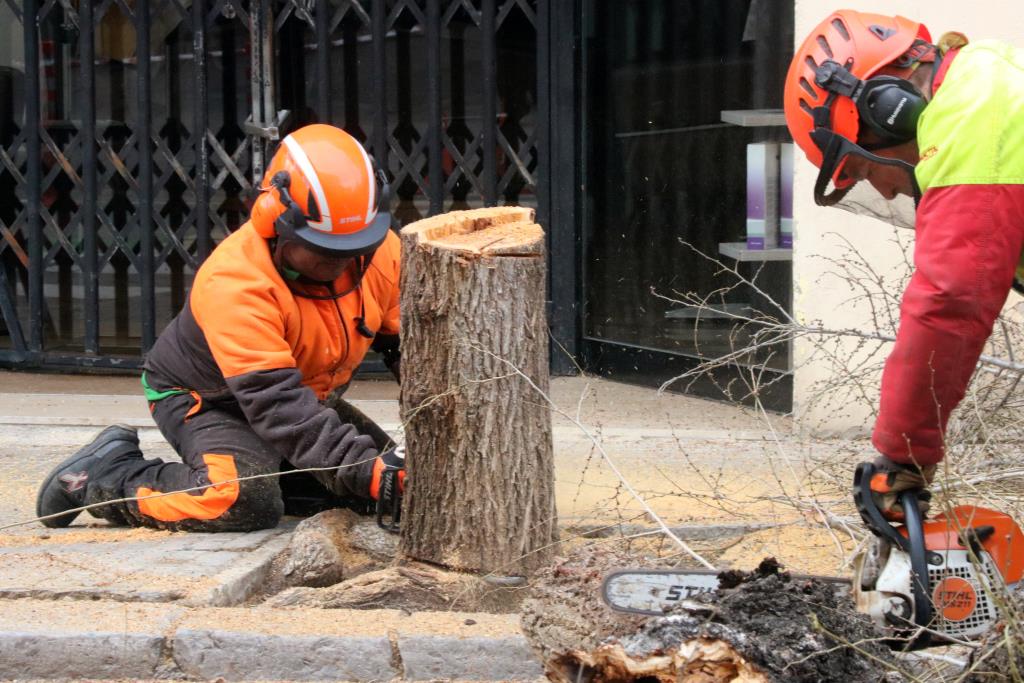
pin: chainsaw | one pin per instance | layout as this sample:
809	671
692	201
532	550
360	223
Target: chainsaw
923	582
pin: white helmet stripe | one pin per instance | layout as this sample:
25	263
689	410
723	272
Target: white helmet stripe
306	166
371	205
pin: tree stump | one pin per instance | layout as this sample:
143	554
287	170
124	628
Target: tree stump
478	435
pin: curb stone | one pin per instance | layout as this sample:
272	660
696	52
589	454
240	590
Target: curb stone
247	656
77	639
78	656
473	659
72	639
239	584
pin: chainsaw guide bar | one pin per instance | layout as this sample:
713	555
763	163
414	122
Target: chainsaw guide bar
653	592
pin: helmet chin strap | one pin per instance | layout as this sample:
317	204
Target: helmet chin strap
293	276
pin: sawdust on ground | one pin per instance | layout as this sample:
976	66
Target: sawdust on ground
346	622
48	616
800	548
100	533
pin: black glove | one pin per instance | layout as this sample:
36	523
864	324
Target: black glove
355	474
893	478
387	487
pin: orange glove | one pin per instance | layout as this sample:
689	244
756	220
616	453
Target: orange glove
387	465
387	487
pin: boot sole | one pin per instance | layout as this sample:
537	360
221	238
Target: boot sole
103	439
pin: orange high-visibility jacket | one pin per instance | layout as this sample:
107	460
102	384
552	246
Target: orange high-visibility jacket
247	339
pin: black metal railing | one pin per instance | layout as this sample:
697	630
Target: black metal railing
133	135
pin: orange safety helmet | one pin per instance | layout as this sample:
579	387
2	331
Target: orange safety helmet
328	185
825	123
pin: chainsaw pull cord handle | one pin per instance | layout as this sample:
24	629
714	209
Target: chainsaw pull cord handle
918	552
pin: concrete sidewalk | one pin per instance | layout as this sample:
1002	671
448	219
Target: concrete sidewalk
667	442
613	408
145	603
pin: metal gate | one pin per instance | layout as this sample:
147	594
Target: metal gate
131	132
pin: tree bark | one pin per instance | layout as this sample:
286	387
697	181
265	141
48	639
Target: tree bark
478	435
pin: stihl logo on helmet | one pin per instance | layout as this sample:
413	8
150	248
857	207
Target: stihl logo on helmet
335	200
317	203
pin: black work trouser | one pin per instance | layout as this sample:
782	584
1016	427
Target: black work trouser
217	446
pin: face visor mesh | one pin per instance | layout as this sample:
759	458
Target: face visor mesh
834	187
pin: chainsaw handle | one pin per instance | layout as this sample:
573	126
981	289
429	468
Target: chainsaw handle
869	512
913	544
920	583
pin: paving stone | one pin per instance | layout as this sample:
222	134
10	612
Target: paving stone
430	657
233	542
236	584
138	565
209	654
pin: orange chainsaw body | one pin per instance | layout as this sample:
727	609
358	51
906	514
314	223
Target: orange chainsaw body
1005	545
972	553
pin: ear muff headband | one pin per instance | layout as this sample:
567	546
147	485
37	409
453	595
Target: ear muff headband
292	218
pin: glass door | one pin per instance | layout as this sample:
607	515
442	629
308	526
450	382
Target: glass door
664	183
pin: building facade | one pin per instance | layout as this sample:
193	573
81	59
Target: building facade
133	134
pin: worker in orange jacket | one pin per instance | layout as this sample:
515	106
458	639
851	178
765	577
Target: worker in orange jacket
279	317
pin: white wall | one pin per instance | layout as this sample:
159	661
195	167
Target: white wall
819	232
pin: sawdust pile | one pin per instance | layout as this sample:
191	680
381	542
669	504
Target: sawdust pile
760	627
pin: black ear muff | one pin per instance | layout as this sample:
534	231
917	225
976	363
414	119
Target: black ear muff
890	107
383	187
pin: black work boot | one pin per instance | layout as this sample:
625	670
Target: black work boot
65	487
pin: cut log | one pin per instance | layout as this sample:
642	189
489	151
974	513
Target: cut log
761	627
478	435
